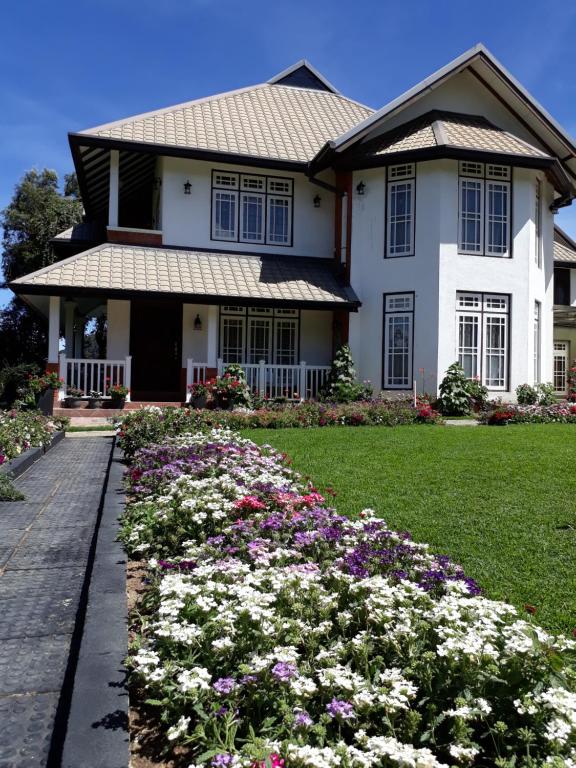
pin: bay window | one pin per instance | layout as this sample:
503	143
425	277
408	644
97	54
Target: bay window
250	208
484	209
483	329
398	340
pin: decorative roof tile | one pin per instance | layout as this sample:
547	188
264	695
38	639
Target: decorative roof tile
564	247
238	276
270	121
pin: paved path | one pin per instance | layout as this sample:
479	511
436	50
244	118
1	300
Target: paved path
45	548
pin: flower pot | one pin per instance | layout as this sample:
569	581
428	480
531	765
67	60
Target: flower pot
95	402
224	402
199	401
117	403
74	402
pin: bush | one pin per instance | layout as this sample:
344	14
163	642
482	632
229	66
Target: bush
14	382
341	385
526	395
20	430
277	632
560	413
454	389
478	394
546	394
152	424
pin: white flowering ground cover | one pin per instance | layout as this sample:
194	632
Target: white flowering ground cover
277	633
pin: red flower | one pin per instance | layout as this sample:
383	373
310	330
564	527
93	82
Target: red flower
530	609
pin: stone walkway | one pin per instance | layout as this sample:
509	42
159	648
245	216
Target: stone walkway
46	547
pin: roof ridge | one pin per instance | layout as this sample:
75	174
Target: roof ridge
303	63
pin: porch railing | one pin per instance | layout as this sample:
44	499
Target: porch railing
294	382
94	375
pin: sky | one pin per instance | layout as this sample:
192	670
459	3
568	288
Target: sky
73	64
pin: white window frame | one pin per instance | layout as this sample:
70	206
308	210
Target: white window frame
398	306
490	309
537	342
489	179
561	366
244	189
401	176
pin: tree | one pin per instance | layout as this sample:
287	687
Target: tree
36	213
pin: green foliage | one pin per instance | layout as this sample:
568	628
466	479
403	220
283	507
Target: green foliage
36	213
455	392
546	393
341	385
23	337
478	394
7	490
14	381
526	394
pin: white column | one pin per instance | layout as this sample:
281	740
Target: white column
53	329
212	350
114	185
69	308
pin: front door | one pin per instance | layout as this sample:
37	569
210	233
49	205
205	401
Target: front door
156	349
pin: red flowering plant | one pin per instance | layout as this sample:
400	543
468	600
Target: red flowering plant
199	389
47	380
572	383
425	413
231	388
118	392
500	416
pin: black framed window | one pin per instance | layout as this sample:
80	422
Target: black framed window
484	217
561	286
252	334
398	340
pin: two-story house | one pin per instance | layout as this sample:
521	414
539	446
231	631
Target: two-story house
268	225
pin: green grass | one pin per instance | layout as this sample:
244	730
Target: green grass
97	428
500	501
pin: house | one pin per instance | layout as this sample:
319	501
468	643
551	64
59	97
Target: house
268	225
564	308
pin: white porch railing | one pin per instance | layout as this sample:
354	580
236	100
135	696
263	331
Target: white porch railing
94	375
294	382
195	374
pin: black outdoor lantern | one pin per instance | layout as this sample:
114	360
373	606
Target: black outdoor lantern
197	319
316	201
360	187
187	188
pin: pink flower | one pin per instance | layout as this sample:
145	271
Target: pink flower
2	458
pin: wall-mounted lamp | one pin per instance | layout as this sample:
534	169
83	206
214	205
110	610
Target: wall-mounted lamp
316	201
360	188
187	188
197	323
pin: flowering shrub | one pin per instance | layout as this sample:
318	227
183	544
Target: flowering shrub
48	380
118	391
153	425
21	430
563	413
278	633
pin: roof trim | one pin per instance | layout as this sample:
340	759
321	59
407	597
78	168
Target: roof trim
477	52
571	243
304	63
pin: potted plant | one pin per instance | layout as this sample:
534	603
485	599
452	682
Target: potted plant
231	389
118	394
95	400
198	394
73	397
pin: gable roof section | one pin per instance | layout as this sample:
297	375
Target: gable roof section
564	248
209	277
303	75
496	79
268	121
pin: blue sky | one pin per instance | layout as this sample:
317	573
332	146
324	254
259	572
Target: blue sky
69	65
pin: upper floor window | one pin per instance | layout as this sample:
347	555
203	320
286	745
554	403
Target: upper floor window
561	286
484	209
250	208
400	210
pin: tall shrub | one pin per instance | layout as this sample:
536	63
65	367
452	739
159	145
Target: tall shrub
455	392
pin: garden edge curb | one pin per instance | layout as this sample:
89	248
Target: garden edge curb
20	464
97	724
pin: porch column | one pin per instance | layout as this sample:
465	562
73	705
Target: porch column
114	186
212	346
69	309
53	329
79	325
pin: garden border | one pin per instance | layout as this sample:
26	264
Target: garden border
97	727
18	465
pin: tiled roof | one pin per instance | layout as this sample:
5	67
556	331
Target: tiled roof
269	121
294	279
436	129
564	247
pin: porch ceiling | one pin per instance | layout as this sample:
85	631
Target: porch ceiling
210	277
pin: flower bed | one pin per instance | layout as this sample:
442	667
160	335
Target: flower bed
152	424
276	632
21	430
562	413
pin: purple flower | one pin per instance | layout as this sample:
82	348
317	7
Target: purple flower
340	709
283	671
223	760
302	719
248	680
224	685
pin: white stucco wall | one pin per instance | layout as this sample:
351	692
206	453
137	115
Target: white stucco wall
436	272
118	335
194	343
186	219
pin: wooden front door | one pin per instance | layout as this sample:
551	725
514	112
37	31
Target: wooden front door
156	349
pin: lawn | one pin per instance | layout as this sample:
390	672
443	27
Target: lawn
501	501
